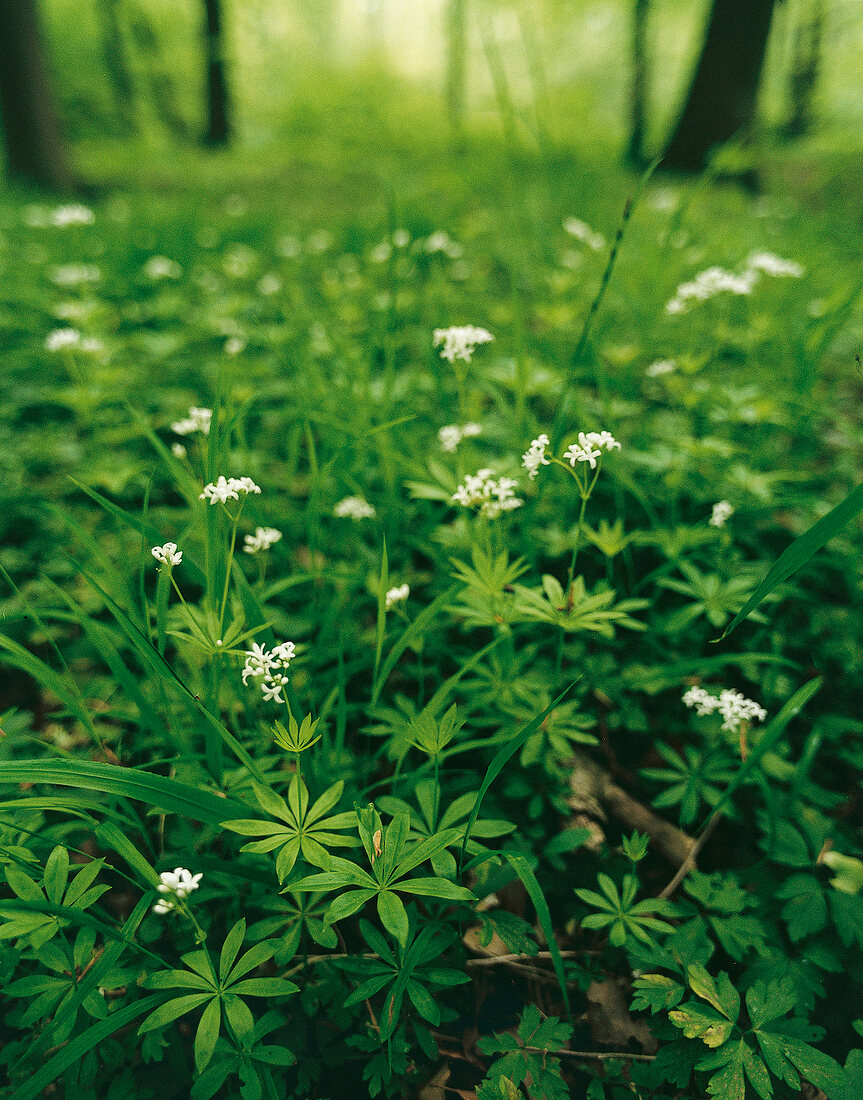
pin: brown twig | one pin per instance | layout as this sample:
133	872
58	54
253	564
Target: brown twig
689	862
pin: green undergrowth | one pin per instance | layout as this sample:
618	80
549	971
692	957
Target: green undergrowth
419	781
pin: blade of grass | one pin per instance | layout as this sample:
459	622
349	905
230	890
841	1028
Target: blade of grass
415	629
799	552
75	1050
496	766
768	739
382	617
524	871
168	795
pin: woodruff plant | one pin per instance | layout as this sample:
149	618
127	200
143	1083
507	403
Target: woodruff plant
350	887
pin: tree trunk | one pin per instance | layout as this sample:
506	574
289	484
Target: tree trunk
116	63
638	87
721	101
218	124
35	147
808	41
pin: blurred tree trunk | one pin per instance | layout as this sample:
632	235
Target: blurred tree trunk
808	40
218	111
116	63
159	79
638	87
35	146
722	96
456	69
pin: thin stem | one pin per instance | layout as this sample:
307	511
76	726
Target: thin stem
229	565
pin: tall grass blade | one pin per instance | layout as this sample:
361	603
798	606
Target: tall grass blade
167	795
800	551
534	891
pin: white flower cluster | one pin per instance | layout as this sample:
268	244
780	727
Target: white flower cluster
582	232
534	456
439	241
487	493
722	512
168	554
354	508
75	274
62	339
590	447
397	595
271	665
228	489
774	265
660	367
452	434
716	279
263	539
460	341
198	420
175	886
160	267
73	214
732	705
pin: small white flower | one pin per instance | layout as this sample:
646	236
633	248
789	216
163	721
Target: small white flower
74	274
774	265
198	420
534	456
442	242
701	700
62	338
228	489
354	508
660	367
73	214
732	705
397	595
167	554
269	284
381	252
460	341
401	238
263	539
487	494
712	281
469	430
272	666
160	267
589	447
722	511
178	450
234	345
175	886
582	232
92	345
450	437
736	708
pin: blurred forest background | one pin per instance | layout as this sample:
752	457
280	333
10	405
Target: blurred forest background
131	78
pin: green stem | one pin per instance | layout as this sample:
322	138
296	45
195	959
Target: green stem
228	566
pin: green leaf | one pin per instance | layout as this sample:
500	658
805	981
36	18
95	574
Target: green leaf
207	1034
231	948
800	551
56	874
347	904
265	987
697	1022
393	915
172	1010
